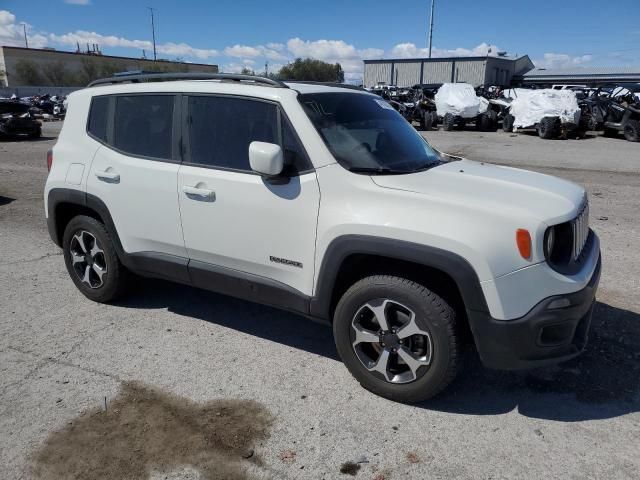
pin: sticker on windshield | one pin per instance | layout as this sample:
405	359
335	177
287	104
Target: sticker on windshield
383	104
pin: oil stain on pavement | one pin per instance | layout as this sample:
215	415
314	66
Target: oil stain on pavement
145	430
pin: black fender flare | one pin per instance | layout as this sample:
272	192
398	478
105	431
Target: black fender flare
342	247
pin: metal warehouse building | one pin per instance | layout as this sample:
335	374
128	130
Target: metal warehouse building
477	71
590	76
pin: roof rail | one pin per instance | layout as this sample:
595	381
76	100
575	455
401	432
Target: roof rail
328	84
170	77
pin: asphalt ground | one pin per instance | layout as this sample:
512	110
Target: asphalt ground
197	385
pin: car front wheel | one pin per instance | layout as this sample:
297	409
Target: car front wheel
397	338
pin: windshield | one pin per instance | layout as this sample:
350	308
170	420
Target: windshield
365	134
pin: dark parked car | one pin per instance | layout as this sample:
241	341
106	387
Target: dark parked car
16	120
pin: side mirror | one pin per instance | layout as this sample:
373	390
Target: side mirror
266	158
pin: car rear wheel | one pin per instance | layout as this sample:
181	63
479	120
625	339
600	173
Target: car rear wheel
91	260
549	128
397	338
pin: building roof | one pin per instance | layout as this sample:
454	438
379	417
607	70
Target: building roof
89	55
445	59
582	71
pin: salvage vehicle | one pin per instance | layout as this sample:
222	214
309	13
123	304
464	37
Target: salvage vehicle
323	200
16	120
422	106
553	113
623	113
458	105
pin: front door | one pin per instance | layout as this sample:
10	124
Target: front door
234	218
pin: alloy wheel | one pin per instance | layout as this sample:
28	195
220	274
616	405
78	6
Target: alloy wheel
388	341
88	259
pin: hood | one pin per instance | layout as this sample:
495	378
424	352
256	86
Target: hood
494	189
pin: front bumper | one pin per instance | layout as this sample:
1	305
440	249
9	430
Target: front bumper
553	331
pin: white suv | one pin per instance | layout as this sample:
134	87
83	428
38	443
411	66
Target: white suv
324	201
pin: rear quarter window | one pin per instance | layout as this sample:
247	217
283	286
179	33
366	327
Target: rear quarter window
97	124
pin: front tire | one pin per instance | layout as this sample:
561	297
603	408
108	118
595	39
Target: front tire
92	261
549	128
632	131
397	338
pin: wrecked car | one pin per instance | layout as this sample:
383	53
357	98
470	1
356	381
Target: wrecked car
16	120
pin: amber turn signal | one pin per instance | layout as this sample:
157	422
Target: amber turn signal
523	240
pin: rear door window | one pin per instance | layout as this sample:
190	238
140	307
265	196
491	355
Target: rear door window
97	126
143	125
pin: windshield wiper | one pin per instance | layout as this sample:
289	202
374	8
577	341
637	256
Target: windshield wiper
378	170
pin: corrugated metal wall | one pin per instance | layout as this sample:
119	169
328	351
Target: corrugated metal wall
375	73
472	72
407	74
437	72
478	72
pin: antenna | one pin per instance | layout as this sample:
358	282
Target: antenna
153	33
433	4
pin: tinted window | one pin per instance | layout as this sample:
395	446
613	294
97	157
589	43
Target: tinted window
98	118
221	129
143	125
295	159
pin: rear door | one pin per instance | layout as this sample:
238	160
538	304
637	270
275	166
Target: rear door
231	216
135	171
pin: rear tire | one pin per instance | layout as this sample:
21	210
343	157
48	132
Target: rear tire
507	123
426	120
610	132
632	131
434	119
549	128
448	122
92	261
376	360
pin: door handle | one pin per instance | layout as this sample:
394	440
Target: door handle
197	193
108	176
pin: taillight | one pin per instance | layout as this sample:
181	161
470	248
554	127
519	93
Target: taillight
49	160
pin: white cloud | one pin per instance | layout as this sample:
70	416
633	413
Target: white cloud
12	33
268	51
561	60
78	2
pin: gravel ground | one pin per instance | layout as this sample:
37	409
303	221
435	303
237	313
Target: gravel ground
63	358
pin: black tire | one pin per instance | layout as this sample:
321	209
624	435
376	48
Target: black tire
426	120
432	315
37	133
448	122
460	123
610	132
434	119
507	123
632	131
113	282
549	128
586	121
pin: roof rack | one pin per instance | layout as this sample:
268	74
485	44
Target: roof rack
170	77
328	84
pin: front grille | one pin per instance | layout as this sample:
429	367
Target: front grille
580	228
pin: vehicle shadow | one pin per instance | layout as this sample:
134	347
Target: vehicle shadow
258	320
604	382
5	200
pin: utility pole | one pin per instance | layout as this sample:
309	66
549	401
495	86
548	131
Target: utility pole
266	69
433	3
153	33
24	29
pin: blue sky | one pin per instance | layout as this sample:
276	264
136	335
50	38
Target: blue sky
247	32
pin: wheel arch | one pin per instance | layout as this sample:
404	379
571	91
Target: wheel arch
63	204
352	257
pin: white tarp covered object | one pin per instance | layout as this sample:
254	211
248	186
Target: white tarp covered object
529	107
460	100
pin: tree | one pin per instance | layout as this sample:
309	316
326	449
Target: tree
247	71
28	73
312	70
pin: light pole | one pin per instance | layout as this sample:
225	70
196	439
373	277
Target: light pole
153	33
24	29
433	3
